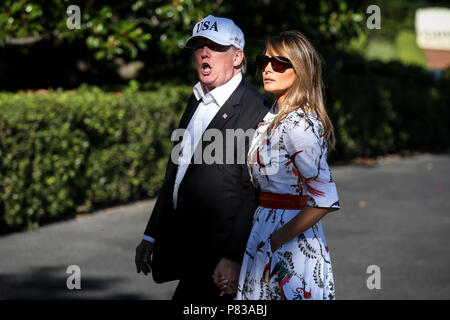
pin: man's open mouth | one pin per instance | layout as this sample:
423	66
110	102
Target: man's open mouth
206	69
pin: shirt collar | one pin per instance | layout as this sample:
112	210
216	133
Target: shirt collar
219	94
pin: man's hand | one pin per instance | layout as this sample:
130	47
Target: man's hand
143	257
226	276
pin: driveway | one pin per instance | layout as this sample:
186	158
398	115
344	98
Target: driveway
395	219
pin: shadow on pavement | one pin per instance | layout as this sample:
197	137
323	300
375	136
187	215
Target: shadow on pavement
50	283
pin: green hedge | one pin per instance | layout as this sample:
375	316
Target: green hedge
62	153
379	108
75	151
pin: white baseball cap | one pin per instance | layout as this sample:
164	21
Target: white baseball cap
220	30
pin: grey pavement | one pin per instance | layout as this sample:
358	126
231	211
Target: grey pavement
395	215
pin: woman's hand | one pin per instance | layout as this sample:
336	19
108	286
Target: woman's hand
221	283
304	220
274	243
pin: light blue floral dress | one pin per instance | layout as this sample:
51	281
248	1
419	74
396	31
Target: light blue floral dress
291	160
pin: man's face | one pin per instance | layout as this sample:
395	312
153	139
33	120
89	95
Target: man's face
215	63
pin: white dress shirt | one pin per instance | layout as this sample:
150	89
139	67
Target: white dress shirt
206	110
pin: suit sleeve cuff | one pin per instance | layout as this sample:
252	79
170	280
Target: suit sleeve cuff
149	239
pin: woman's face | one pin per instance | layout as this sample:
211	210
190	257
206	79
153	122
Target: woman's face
276	82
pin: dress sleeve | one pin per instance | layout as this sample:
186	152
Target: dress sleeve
307	148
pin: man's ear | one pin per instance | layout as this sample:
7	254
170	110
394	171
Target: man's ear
238	58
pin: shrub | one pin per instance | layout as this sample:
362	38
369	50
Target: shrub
380	108
74	151
62	153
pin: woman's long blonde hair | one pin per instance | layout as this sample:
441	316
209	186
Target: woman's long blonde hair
307	86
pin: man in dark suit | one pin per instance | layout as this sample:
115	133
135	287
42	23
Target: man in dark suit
202	218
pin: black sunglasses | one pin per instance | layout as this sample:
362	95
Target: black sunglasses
279	64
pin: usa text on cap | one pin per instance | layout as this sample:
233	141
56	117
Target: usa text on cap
220	30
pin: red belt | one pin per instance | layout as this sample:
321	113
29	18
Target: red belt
282	201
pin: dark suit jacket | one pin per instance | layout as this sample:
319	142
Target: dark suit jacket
216	202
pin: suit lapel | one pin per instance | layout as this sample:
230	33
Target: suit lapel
190	110
187	115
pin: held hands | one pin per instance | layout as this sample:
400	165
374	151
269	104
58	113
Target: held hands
143	257
226	276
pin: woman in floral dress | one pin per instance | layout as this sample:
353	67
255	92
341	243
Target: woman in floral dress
287	256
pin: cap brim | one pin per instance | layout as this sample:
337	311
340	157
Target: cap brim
191	41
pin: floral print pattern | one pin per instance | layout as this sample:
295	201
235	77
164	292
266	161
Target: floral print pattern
291	160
